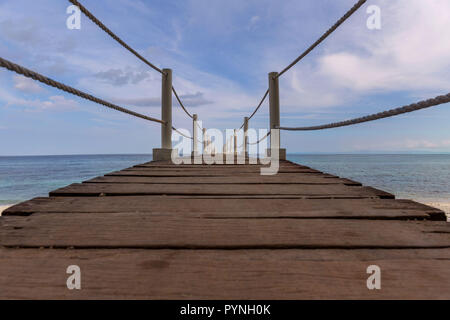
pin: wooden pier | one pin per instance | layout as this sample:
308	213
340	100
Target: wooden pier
164	231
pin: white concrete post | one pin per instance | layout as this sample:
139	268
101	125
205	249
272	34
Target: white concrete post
165	152
235	142
166	109
194	135
212	150
204	140
208	139
274	105
274	101
245	151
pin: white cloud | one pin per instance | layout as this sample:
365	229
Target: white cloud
119	77
409	53
58	103
26	84
53	103
191	100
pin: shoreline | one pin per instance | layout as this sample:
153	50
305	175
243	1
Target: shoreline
4	207
444	206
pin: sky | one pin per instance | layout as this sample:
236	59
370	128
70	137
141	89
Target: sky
221	53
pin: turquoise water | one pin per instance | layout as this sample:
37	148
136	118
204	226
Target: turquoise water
22	178
424	178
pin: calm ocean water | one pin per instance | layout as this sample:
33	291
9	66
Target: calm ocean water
424	178
22	178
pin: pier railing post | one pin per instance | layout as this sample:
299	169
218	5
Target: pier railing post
212	147
274	105
204	140
194	136
235	142
165	152
208	139
245	151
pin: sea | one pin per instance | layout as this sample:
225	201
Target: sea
25	177
421	177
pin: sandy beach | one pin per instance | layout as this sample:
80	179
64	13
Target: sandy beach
444	206
4	208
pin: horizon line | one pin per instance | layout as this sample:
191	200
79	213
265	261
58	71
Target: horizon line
289	153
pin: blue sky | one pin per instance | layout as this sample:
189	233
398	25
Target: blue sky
221	53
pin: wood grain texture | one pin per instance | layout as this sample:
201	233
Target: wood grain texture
217	166
366	208
307	190
140	230
218	274
196	173
276	179
224	170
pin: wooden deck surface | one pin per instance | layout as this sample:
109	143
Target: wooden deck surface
161	231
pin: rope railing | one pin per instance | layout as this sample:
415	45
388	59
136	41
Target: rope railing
181	103
314	45
36	76
272	92
257	108
123	44
260	140
324	36
178	131
113	35
385	114
409	108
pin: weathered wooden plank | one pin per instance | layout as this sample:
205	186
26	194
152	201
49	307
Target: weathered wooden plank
200	173
276	179
232	170
283	164
255	164
219	274
216	167
236	161
140	230
301	208
325	191
165	173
